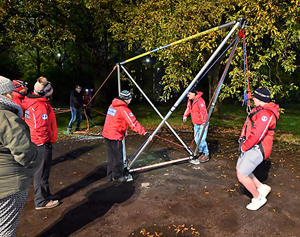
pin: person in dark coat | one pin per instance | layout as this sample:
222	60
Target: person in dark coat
18	158
76	103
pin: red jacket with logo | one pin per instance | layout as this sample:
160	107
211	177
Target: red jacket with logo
40	118
197	109
118	118
259	128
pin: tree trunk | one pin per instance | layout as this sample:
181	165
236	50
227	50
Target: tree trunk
213	80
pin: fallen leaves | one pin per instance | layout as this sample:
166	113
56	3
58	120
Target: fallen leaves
178	229
147	233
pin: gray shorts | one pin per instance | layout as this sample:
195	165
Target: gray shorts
249	160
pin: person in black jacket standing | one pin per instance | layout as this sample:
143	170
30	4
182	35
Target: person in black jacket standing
76	103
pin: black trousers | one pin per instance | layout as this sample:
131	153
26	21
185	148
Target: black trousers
115	165
41	177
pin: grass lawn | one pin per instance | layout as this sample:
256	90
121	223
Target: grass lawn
288	126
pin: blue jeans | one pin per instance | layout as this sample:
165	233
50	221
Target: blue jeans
203	145
76	115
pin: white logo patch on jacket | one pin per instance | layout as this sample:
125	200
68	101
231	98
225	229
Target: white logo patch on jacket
27	114
264	118
111	112
131	114
44	116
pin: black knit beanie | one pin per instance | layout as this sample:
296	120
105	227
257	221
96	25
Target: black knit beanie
263	94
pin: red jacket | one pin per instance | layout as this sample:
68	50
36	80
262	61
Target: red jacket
259	128
17	98
40	118
118	118
197	109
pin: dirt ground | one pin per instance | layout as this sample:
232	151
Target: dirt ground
175	200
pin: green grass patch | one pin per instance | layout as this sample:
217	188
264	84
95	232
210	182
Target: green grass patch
288	126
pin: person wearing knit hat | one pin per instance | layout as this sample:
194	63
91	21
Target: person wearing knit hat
6	85
43	87
119	118
263	94
41	120
19	93
18	160
197	109
256	142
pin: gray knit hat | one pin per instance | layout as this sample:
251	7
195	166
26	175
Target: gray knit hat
6	85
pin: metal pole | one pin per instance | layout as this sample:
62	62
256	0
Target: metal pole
123	141
181	41
216	95
186	147
159	164
238	23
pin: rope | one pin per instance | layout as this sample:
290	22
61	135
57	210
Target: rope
216	86
247	97
88	125
102	85
177	144
87	119
99	112
157	137
61	111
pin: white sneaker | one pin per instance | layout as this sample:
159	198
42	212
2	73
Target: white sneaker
194	162
264	190
256	203
129	178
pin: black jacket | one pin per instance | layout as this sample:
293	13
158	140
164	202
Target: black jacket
76	100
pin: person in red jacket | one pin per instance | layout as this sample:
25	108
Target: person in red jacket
118	118
19	93
197	109
41	120
256	141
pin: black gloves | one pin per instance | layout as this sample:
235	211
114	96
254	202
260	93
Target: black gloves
147	135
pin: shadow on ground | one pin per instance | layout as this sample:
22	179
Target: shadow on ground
97	203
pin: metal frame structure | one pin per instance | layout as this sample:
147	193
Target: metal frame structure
239	23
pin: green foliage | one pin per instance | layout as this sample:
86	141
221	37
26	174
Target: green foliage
91	36
35	29
272	39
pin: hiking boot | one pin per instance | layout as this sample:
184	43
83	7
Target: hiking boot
256	203
203	158
78	129
69	131
194	161
264	190
50	204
